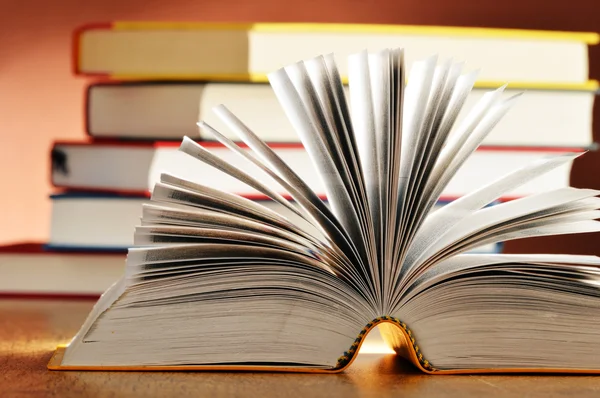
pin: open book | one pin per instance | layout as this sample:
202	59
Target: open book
217	281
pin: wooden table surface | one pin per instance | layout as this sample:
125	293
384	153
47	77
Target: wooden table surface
30	329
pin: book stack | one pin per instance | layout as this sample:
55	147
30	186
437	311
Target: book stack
151	82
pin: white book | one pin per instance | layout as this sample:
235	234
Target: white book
169	111
217	281
92	221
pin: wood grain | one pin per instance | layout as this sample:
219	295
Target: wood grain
31	329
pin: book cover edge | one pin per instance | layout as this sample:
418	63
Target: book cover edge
590	38
589	85
413	352
147	144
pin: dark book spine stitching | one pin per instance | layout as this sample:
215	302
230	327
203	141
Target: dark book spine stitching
348	355
86	109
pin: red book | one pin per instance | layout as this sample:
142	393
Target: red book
134	167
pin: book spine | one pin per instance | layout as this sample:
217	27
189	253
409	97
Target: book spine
87	104
76	48
92	191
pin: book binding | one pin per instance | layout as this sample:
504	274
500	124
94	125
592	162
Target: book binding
410	351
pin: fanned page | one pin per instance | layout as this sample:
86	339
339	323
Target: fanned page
219	281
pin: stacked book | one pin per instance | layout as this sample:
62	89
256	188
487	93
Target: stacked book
151	82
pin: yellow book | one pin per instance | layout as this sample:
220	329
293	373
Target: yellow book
247	51
217	281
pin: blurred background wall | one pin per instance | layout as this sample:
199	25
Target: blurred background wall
40	101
